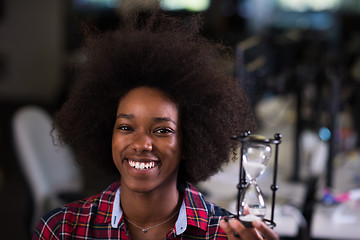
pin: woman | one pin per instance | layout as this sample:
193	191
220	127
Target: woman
158	94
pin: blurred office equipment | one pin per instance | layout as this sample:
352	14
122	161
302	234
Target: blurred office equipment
52	177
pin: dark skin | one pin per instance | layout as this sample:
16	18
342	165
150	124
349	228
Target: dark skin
147	131
192	77
169	54
259	231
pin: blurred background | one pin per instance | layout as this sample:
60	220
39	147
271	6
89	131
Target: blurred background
300	65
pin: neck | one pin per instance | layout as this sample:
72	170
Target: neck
147	209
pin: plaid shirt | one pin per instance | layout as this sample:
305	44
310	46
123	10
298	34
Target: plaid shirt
96	218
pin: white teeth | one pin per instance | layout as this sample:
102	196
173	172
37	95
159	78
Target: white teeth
141	165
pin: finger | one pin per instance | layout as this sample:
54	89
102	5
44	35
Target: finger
244	232
225	226
246	210
236	230
266	231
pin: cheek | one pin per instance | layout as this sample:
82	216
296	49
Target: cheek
116	145
175	148
117	154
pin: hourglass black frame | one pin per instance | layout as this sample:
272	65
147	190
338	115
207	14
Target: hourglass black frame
246	137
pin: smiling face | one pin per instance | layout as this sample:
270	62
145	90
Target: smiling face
146	142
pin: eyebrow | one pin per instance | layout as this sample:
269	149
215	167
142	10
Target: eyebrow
155	119
124	115
163	119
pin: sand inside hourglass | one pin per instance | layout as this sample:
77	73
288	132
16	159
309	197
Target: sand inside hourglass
254	198
254	169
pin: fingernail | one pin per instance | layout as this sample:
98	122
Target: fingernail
256	223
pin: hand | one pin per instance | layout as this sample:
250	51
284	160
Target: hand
235	230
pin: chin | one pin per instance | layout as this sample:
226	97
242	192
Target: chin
140	187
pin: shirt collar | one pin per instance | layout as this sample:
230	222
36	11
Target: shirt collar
106	201
117	214
196	210
192	212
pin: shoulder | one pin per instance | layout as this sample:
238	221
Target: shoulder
199	201
215	214
215	210
203	217
69	217
49	225
60	219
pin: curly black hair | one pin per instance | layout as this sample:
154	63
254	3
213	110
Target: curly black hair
170	54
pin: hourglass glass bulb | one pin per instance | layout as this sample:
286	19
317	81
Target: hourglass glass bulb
255	159
256	156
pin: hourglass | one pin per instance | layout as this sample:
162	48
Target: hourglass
255	156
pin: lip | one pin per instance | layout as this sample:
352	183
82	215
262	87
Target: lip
145	160
141	159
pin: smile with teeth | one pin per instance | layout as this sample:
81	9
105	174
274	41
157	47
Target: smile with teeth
141	165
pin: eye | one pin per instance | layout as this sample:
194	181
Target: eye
164	131
125	128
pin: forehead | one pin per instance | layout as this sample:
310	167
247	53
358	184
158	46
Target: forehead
149	100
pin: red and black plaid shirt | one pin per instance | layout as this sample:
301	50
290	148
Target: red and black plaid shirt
92	219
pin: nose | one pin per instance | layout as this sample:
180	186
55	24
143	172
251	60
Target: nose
142	142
